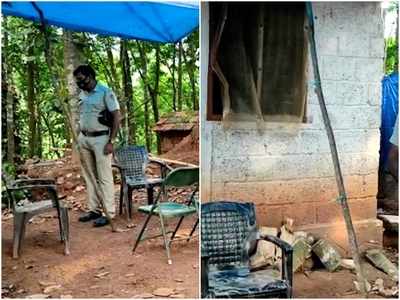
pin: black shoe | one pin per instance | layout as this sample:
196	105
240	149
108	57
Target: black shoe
91	215
102	221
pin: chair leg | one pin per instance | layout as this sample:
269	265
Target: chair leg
20	220
129	203
141	232
150	195
193	229
166	242
121	196
176	229
65	232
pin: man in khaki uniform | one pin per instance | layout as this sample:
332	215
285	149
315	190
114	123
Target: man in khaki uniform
96	142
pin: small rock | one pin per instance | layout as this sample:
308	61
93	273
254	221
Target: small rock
163	292
367	286
51	289
101	275
347	264
20	291
130	275
131	225
47	283
37	296
68	175
143	296
14	268
93	287
178	280
378	285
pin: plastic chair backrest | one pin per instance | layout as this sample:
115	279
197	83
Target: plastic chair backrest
182	177
132	160
225	228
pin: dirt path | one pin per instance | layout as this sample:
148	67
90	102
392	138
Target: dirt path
98	251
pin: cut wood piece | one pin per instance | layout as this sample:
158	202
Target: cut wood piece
379	260
327	254
301	251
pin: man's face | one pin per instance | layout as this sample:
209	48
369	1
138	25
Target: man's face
82	81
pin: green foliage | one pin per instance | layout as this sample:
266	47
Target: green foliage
52	131
392	57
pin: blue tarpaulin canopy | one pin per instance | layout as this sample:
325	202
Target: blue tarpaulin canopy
389	111
165	22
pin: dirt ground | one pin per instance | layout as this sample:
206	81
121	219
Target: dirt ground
320	283
101	264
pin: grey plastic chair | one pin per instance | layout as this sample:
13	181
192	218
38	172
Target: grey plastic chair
24	210
228	236
132	162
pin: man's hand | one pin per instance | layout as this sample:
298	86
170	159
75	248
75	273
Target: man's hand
108	148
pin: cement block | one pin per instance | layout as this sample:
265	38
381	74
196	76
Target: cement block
374	94
352	93
354	44
327	45
338	68
369	70
327	254
360	209
377	47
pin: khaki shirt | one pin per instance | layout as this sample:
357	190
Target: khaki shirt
92	103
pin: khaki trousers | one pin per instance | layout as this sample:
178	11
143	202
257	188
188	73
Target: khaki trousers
99	164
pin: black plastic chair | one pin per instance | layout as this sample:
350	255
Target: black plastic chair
167	208
228	237
25	209
132	162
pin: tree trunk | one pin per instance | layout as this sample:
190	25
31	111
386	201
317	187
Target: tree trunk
30	73
155	96
51	134
173	79
128	91
73	57
192	79
180	77
8	100
147	131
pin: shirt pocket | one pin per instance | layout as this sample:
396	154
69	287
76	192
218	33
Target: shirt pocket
96	105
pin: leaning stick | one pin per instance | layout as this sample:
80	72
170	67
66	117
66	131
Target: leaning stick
342	199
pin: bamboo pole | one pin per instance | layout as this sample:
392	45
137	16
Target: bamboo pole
67	113
342	198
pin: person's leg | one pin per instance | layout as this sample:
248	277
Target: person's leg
104	173
89	158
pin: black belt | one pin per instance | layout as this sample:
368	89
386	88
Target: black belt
95	133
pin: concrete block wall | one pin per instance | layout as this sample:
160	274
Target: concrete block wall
286	168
